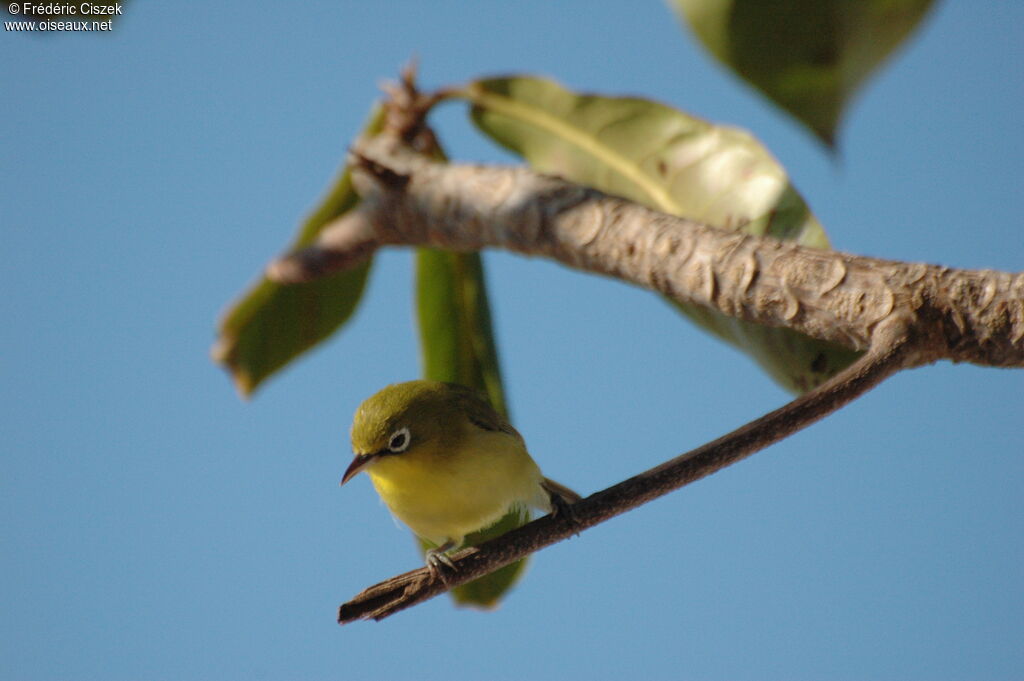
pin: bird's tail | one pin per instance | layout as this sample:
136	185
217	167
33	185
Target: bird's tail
559	494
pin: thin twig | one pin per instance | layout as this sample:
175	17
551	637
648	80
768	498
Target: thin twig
410	588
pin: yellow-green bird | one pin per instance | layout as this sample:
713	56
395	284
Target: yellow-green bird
446	463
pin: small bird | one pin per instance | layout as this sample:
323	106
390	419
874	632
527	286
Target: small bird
446	463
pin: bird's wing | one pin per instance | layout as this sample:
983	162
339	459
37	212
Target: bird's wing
479	411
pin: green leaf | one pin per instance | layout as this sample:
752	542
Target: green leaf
457	345
456	335
808	56
674	163
274	323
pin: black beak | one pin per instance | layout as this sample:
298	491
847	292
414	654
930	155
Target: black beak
357	465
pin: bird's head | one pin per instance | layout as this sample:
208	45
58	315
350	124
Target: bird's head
399	420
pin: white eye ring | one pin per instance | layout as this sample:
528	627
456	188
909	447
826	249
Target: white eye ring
399	441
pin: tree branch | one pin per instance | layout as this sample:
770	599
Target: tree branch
962	315
410	588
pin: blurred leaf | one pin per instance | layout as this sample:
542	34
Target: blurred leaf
275	323
674	163
457	345
808	56
456	338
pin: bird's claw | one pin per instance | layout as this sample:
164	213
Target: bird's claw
563	508
438	561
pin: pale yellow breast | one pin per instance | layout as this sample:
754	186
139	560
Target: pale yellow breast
443	494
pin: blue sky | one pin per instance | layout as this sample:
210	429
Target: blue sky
155	526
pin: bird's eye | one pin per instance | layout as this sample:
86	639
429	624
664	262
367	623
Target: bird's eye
399	441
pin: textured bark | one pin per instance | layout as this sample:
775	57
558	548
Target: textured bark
972	316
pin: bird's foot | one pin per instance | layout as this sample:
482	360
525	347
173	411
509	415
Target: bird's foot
438	561
562	500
